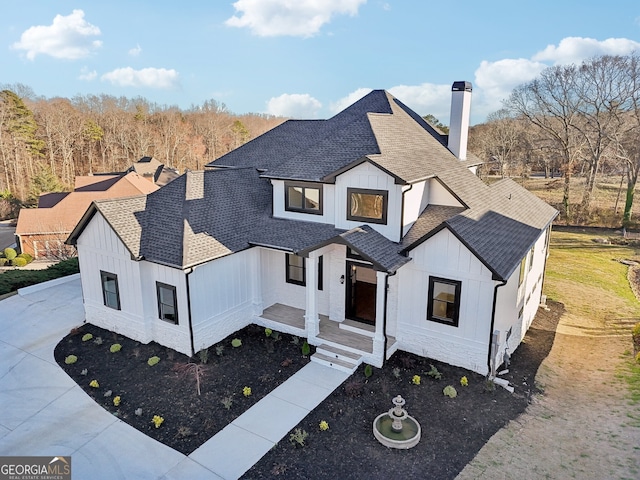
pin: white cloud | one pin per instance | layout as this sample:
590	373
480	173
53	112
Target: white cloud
577	49
161	78
294	105
69	37
350	99
86	75
426	98
298	18
135	51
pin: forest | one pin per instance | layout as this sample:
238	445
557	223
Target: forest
577	120
45	143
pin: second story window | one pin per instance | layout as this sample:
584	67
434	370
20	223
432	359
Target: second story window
303	197
365	205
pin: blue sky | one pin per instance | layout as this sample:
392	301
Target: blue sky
303	58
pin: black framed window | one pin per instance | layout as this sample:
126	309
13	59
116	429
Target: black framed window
110	291
303	197
364	205
444	301
167	302
295	269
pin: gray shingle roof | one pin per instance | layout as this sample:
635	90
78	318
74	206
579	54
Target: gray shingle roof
205	215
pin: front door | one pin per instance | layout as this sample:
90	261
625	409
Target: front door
361	293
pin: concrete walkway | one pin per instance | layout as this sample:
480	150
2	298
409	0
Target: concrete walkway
44	412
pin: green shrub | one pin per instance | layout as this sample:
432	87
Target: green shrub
70	359
236	342
3	261
19	261
12	280
450	391
116	347
306	349
368	371
153	361
86	337
10	253
26	256
268	332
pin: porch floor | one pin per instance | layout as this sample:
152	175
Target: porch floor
329	329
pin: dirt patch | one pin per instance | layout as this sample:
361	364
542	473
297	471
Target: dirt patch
169	388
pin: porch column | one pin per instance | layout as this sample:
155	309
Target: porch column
378	339
311	320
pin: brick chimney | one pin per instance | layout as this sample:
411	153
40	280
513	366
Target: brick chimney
459	119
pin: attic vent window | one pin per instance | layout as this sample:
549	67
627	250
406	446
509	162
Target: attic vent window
367	205
303	197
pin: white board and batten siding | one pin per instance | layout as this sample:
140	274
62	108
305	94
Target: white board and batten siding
224	296
444	256
99	249
368	176
517	305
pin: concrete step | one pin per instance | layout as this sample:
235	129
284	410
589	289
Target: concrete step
338	353
358	327
348	366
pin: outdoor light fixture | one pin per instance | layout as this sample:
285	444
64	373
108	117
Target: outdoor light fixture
342	279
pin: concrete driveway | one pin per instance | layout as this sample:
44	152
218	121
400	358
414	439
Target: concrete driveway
43	412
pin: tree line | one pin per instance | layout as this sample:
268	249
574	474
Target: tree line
46	143
571	119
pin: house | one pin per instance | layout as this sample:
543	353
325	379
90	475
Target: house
366	233
154	171
41	231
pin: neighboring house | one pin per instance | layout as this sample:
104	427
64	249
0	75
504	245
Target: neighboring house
363	233
42	231
154	171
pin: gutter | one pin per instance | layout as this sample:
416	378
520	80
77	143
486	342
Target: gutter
493	321
384	316
188	272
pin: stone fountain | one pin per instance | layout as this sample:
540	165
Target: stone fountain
396	429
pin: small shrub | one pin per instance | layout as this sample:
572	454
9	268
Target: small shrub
415	379
306	349
268	332
236	342
219	350
204	355
84	371
396	372
434	372
86	337
464	381
450	391
3	261
70	359
98	341
10	253
353	388
108	393
157	420
489	386
295	340
227	402
116	347
246	391
298	437
26	256
153	361
368	371
116	401
323	425
19	262
94	384
138	412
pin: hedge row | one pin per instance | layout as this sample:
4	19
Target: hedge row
12	280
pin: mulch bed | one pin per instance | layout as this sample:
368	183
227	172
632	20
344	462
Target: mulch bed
453	429
169	388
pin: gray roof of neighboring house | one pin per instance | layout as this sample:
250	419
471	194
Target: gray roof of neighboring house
205	215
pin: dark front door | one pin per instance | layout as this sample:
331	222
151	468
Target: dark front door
361	293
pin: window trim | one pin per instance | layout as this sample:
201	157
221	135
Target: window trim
458	291
111	276
303	185
173	289
287	267
368	191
